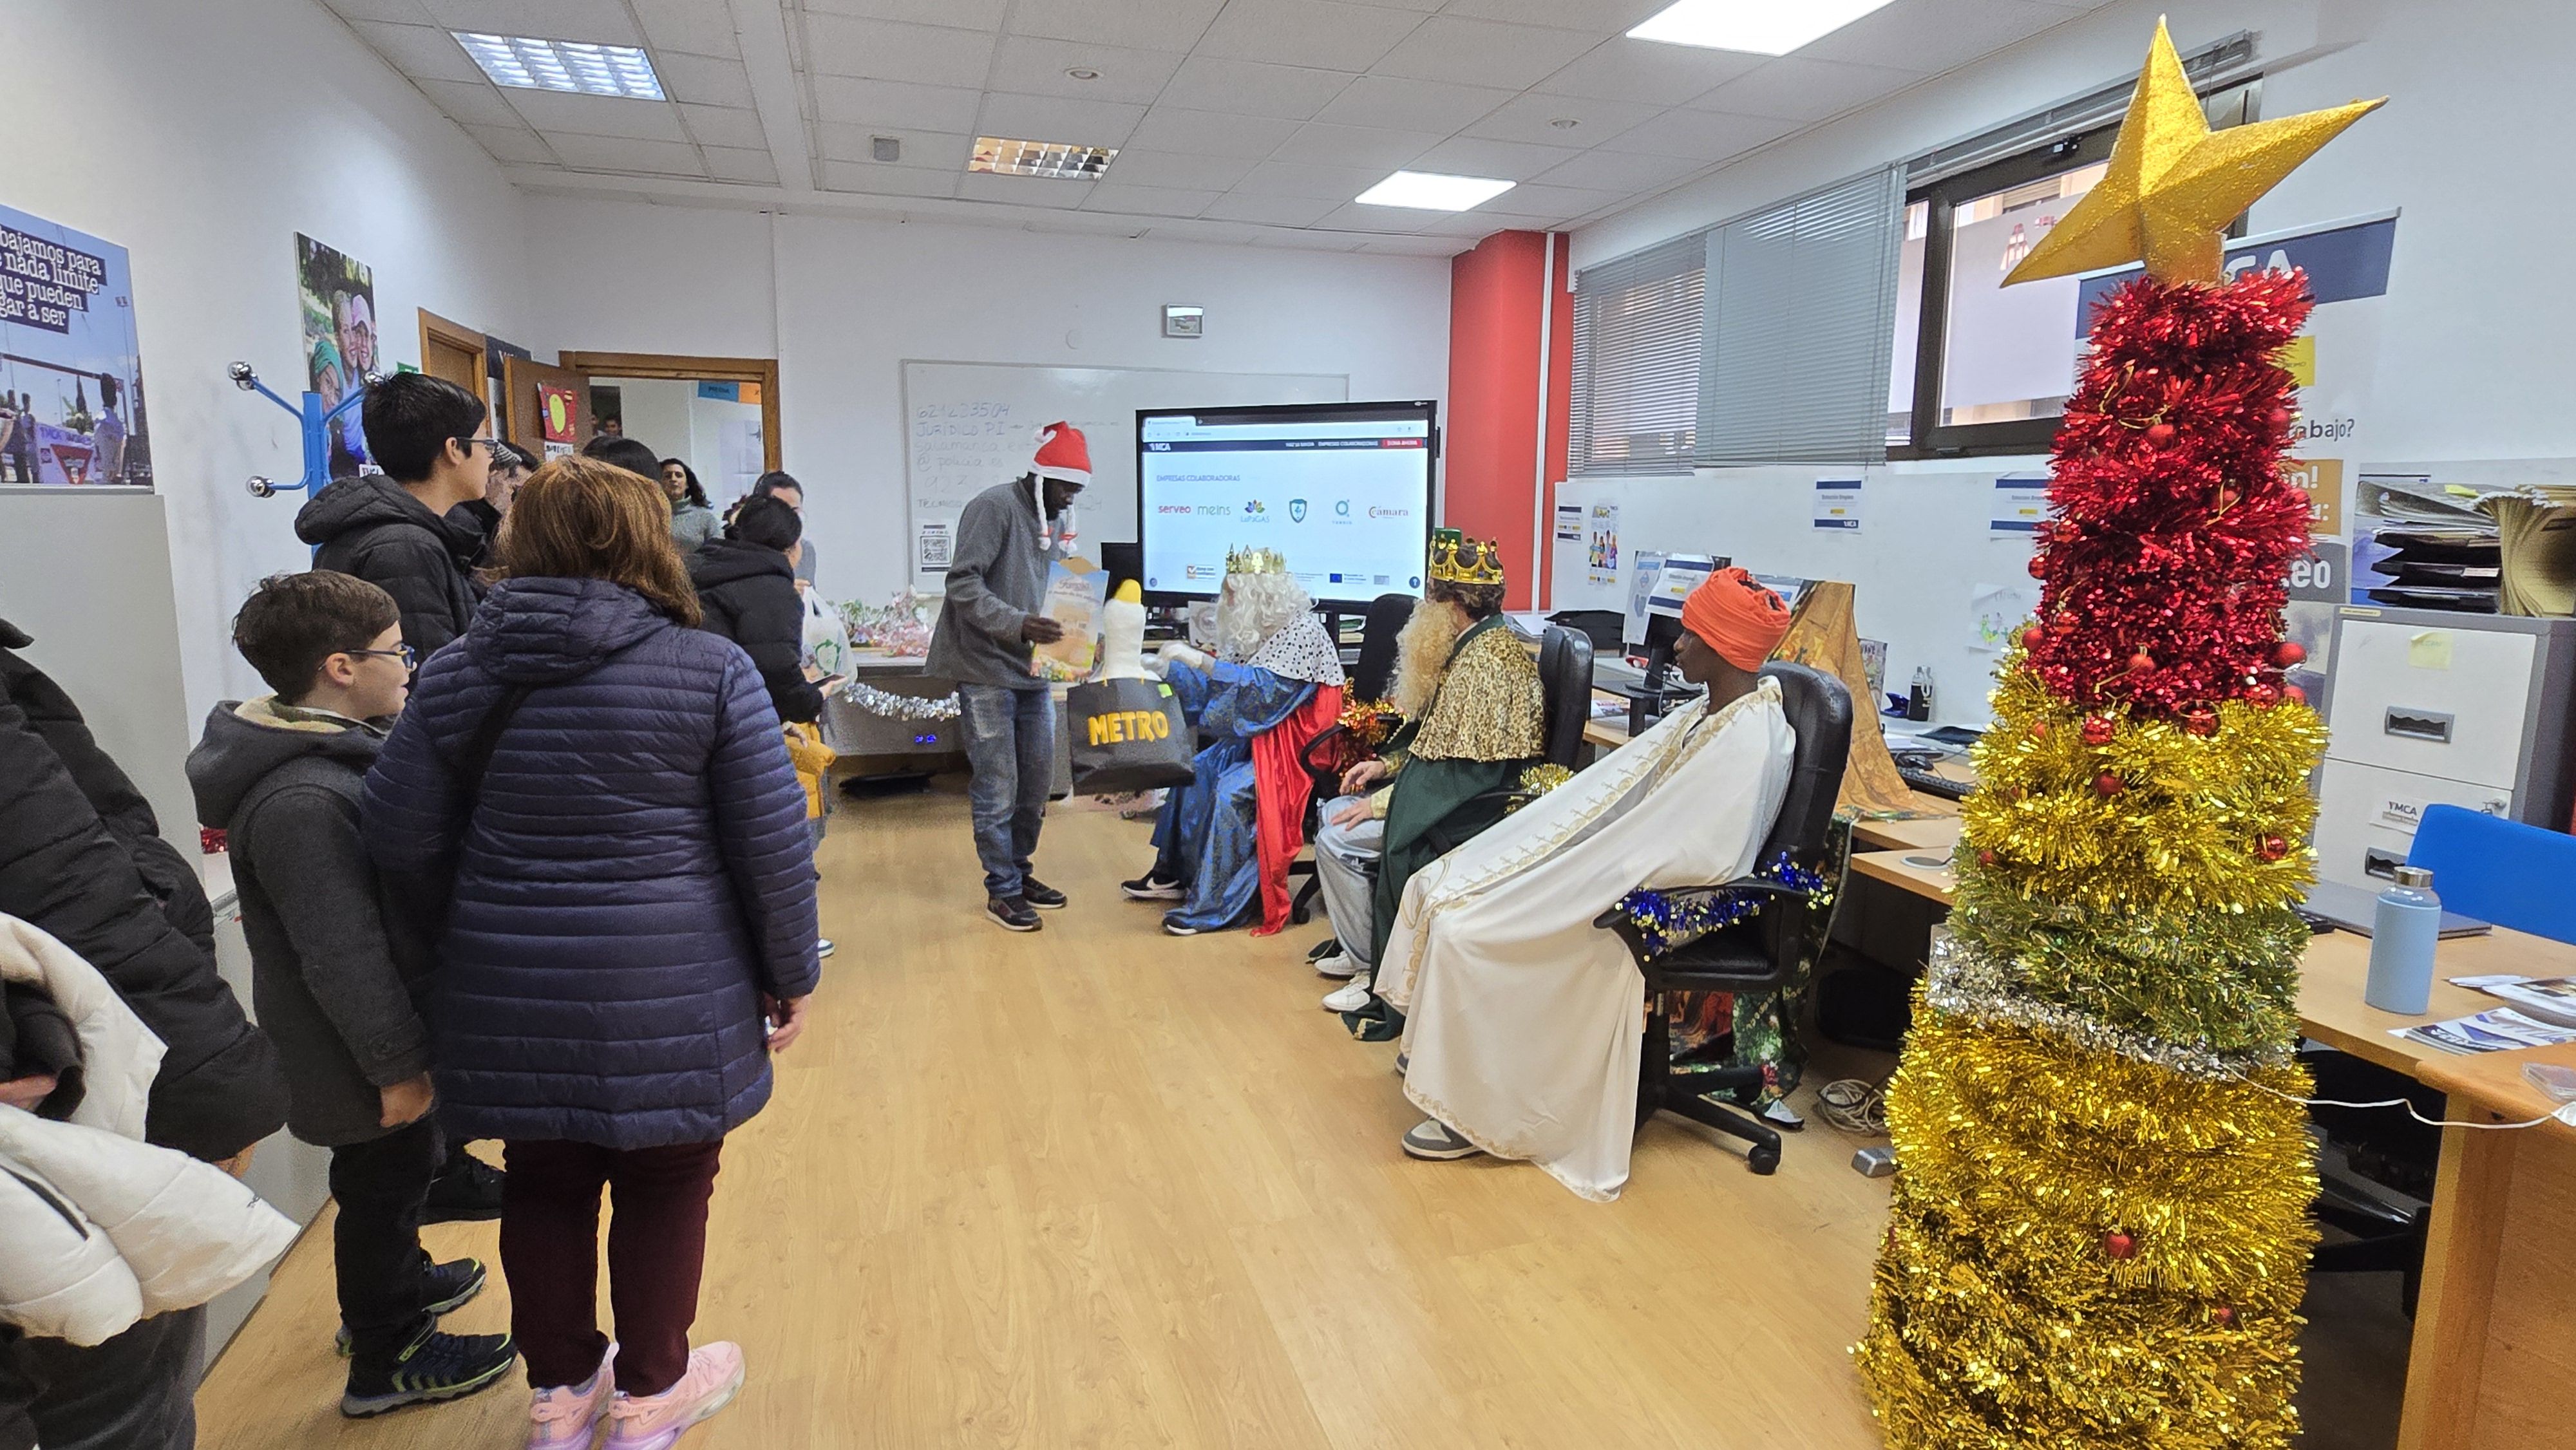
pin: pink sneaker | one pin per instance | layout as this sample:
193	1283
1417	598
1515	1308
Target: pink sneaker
567	1414
655	1422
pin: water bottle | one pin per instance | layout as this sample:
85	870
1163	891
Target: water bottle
2402	933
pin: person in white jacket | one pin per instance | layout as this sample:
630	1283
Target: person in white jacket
100	1231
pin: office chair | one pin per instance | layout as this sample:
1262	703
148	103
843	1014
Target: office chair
1374	675
1370	679
1761	953
2498	870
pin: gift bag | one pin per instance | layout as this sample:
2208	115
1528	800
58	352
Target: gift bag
1127	735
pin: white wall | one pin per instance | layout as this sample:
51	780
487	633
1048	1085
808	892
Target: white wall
2477	338
842	303
202	137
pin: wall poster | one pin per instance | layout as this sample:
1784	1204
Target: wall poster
71	371
338	297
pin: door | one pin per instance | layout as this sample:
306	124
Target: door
452	352
549	407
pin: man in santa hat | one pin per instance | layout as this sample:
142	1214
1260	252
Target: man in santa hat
1007	538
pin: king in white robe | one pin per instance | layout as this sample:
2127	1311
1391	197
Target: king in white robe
1524	1021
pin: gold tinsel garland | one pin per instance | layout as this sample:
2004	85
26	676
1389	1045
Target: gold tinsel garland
2221	982
2086	1250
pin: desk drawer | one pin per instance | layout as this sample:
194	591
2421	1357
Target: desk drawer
2439	701
2366	817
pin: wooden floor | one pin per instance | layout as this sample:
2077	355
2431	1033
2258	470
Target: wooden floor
1100	1186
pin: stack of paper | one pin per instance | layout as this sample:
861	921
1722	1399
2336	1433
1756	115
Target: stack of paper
2536	527
2551	999
2501	1030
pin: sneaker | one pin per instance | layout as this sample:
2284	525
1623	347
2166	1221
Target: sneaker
1437	1142
1150	887
569	1414
1338	966
1174	926
1322	949
1352	997
448	1287
466	1190
1403	1063
1010	913
823	946
656	1422
1779	1114
1040	895
434	1367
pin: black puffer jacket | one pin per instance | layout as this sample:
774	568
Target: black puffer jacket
749	594
369	527
82	857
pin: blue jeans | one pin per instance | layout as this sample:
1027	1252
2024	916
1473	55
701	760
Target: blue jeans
1010	745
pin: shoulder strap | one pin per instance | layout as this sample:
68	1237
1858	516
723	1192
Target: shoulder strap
486	739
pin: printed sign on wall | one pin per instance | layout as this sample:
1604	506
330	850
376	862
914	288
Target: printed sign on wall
71	372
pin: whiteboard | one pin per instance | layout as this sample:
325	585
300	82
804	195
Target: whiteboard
968	426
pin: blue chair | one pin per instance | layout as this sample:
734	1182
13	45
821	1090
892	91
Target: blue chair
2502	871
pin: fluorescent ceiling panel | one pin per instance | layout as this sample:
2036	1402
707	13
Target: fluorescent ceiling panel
1058	159
526	63
1757	27
1430	191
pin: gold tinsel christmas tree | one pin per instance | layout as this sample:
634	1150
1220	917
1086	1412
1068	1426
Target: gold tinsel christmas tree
2099	1232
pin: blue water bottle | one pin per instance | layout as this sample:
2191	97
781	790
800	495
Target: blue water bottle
2402	933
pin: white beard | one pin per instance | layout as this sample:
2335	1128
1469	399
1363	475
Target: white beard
1422	653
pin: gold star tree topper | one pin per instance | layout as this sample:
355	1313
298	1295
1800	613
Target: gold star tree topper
2174	185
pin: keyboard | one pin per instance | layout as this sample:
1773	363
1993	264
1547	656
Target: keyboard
1933	783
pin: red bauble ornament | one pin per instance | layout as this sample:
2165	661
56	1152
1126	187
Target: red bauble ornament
1985	858
2274	848
2200	720
2288	652
2033	637
2039	730
2294	694
2141	662
2160	435
2038	567
2263	697
2223	1314
2280	417
2118	1245
2108	784
2062	624
2098	729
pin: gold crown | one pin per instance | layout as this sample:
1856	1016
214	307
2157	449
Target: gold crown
1456	559
1255	561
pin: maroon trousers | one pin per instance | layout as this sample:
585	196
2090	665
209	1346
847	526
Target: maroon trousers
657	1247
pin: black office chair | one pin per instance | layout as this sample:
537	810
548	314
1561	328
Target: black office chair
1374	675
1565	692
1370	679
1761	953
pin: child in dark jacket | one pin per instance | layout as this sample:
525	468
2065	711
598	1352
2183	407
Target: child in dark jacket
746	583
332	966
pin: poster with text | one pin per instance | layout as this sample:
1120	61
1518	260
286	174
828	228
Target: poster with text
1601	549
337	294
71	372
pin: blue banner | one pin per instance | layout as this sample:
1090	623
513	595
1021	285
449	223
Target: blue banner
2342	263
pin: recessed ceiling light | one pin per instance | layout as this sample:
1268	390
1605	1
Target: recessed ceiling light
1758	27
1059	159
1083	73
1430	191
526	63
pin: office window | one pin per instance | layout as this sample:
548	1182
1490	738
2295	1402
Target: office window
1909	324
1637	323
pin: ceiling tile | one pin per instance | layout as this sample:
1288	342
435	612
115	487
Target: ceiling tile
1326	183
892	50
1648	72
513	145
604	21
1034	66
622	153
1044	191
1618	171
1412	247
1320	145
934	150
1501	160
1308	32
1484	222
1595	17
964	14
734	163
473	102
1251	88
1532	119
1053	118
421	51
1227	234
1933	35
724	126
1433	106
1169	25
599	115
1353	217
1276	211
877	180
1110	196
704	79
1794	88
1561	202
1139	167
392	12
1483	52
691	25
1699	135
1211	133
1426	7
895	103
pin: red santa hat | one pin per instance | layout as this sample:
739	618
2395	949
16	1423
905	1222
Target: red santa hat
1063	454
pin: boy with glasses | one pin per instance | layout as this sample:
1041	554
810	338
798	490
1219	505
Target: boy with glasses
332	964
397	529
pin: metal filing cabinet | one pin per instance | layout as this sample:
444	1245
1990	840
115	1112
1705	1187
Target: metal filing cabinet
2430	708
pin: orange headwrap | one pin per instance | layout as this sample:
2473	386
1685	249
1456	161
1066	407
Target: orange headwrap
1738	618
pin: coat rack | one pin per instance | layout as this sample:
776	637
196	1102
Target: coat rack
312	418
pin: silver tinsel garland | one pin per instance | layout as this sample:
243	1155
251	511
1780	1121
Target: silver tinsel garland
1966	982
899	707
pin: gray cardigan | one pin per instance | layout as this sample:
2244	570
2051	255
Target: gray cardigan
996	578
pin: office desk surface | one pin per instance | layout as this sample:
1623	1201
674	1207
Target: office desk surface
1935	831
2492	1083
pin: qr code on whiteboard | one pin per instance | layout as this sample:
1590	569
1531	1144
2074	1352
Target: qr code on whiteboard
934	546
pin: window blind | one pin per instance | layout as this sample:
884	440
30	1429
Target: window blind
1637	350
1801	320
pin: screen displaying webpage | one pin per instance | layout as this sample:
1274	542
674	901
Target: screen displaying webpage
1346	502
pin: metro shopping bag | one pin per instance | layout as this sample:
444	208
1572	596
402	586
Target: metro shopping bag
1128	735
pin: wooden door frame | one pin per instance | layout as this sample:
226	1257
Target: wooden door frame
761	370
434	328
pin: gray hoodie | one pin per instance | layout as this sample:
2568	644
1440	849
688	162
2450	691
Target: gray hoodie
996	578
331	962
